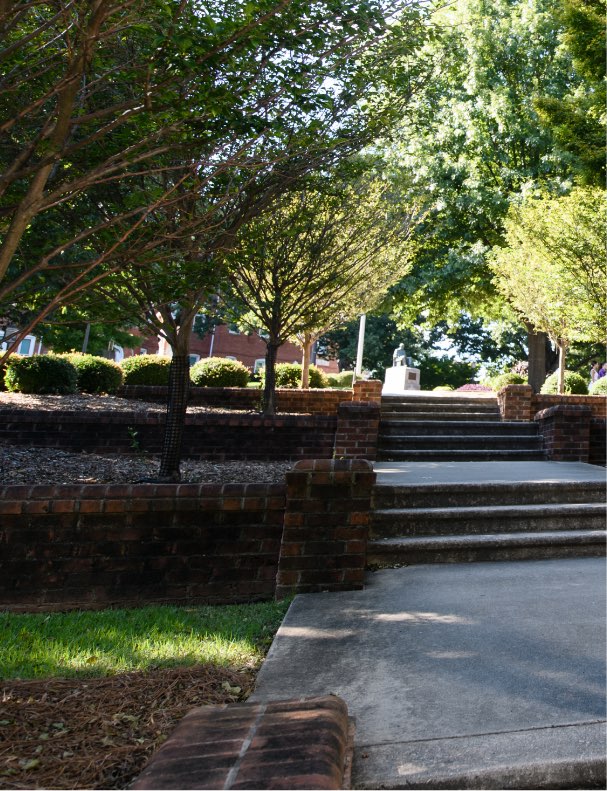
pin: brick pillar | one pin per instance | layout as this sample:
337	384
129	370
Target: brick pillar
515	402
566	432
367	390
324	542
357	431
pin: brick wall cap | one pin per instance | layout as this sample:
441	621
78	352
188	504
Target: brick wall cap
577	410
358	408
332	465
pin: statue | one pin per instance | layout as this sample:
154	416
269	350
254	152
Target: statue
400	355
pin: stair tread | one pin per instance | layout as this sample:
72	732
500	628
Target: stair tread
488	510
544	538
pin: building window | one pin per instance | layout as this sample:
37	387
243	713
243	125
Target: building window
229	357
143	351
26	347
233	329
193	358
259	364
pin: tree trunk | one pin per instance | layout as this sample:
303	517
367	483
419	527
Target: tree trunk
179	387
269	390
562	347
536	343
306	346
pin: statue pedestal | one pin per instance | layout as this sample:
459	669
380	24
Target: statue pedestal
400	378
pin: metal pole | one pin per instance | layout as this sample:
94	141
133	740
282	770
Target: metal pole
87	333
361	342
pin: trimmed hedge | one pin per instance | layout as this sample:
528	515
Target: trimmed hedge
219	372
574	384
41	374
95	374
146	370
599	387
509	378
342	379
289	375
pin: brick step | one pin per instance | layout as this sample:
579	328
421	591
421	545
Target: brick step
426	495
478	520
388	442
456	427
438	416
460	455
389	552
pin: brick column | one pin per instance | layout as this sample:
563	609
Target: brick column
566	432
367	390
515	402
324	542
357	431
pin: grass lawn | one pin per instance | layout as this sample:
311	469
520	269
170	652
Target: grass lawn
80	644
87	697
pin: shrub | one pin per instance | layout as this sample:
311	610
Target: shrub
443	389
599	387
574	384
41	374
219	372
342	379
289	375
473	387
146	370
95	374
507	379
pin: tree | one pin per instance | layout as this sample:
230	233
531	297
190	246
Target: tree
552	267
323	254
577	119
100	98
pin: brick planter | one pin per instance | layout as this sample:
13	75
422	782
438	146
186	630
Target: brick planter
356	436
326	526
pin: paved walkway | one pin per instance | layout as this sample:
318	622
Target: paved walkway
477	675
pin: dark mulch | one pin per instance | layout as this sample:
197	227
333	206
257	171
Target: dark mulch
99	733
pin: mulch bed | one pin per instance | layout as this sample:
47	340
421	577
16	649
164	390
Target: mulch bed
99	733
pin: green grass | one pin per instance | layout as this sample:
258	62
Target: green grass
102	643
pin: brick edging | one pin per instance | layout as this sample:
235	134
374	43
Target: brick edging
282	744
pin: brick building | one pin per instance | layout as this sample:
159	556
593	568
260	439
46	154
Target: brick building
227	341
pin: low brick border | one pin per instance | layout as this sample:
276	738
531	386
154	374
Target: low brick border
326	525
566	432
520	403
292	744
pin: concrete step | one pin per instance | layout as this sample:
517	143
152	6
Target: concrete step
388	442
429	495
437	400
439	416
477	520
456	427
392	552
460	455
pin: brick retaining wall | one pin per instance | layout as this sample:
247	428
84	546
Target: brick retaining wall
312	401
89	547
207	436
566	432
519	402
95	546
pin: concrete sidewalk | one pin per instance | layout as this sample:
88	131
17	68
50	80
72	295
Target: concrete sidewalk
480	675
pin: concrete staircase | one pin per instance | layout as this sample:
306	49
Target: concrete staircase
452	428
526	515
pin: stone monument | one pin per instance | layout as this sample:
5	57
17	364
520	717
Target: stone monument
402	375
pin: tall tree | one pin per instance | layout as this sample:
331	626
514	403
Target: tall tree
552	267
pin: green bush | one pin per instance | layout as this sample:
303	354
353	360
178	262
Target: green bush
146	370
219	372
574	384
510	378
95	374
289	375
41	374
443	388
599	387
342	380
